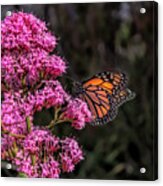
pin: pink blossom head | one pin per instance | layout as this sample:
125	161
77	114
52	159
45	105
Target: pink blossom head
7	143
41	141
26	69
67	163
71	154
78	112
24	164
53	66
37	168
36	157
22	31
52	94
50	169
15	110
26	43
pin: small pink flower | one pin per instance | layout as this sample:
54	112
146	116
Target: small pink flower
78	111
66	162
15	110
40	140
53	66
50	169
52	94
24	164
26	69
71	154
6	144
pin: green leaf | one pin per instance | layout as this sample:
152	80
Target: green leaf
22	175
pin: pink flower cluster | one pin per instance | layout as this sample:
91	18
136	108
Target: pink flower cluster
78	112
7	143
17	107
23	31
36	168
26	43
41	139
51	95
29	85
37	154
26	69
71	154
15	110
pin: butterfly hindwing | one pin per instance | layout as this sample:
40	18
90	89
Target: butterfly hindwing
123	96
101	105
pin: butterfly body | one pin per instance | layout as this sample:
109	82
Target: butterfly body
104	93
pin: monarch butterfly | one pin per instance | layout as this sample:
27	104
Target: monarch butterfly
104	93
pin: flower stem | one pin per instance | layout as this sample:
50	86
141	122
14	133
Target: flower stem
28	124
56	113
23	81
11	154
53	123
57	119
33	158
12	134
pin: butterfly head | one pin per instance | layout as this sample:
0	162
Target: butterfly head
78	88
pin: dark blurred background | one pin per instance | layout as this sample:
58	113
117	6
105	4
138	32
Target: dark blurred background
92	39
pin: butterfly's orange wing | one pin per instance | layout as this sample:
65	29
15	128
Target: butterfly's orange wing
104	93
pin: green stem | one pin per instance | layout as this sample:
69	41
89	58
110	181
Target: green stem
57	119
33	158
15	148
23	81
22	175
10	153
53	123
56	113
12	134
41	74
28	124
